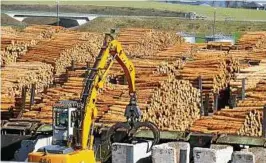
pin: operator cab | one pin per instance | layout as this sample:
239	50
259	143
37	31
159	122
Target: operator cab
64	118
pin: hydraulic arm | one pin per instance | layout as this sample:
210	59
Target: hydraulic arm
73	121
111	51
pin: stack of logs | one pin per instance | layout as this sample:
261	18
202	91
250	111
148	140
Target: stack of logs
72	88
16	43
167	91
112	101
225	46
142	42
215	68
17	76
65	47
251	40
245	119
175	105
21	74
252	75
149	82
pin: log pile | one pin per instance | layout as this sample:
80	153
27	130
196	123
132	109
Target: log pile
214	70
113	99
225	46
18	75
65	47
252	40
16	43
85	45
175	105
143	42
252	75
176	108
245	119
249	56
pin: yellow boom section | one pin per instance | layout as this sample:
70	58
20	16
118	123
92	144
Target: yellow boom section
114	49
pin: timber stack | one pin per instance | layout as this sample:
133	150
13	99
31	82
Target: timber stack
175	105
213	68
155	100
17	76
146	42
16	43
64	48
224	46
244	119
252	76
72	88
252	40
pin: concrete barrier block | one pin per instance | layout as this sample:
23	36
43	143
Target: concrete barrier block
243	157
205	155
163	153
182	151
224	152
172	152
131	153
259	153
215	154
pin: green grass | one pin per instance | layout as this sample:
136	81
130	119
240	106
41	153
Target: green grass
221	13
237	35
203	27
200	38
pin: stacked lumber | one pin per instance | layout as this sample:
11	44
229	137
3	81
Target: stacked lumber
219	45
7	101
215	71
142	42
245	119
175	105
65	47
113	99
252	75
16	43
182	102
15	76
71	90
18	75
244	55
252	40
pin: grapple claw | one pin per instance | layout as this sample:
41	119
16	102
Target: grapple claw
151	126
130	129
109	139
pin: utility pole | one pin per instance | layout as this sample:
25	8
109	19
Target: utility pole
214	19
57	11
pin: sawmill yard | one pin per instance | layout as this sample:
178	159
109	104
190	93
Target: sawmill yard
209	88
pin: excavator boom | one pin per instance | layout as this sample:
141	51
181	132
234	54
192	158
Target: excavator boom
95	80
79	146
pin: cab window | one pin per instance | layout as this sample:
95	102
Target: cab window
61	119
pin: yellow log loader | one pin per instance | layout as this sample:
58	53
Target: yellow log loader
73	121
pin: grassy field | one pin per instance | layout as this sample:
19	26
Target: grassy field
103	24
93	10
203	27
221	13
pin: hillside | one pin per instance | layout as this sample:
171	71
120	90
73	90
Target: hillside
221	13
7	20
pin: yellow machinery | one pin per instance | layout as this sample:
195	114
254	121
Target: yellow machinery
73	122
